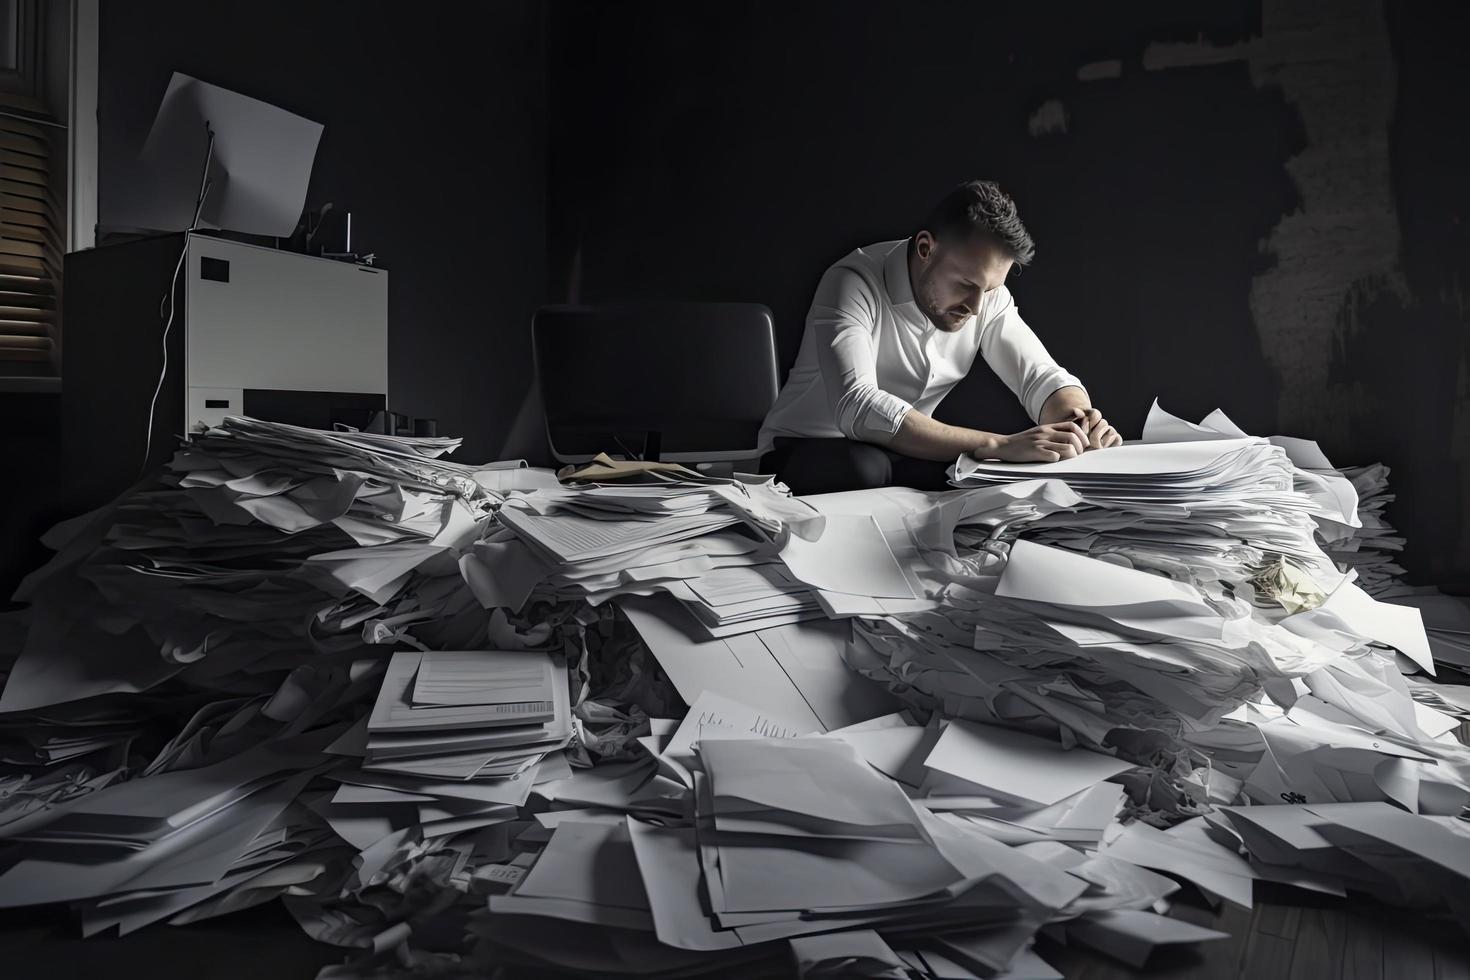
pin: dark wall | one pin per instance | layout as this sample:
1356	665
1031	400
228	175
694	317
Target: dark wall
742	150
1242	205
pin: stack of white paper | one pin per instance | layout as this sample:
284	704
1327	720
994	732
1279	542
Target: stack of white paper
254	531
739	556
711	544
459	736
293	478
1371	548
1157	647
791	837
1303	709
1208	512
251	583
143	850
66	732
802	839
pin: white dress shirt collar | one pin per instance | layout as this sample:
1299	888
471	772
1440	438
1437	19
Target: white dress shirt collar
896	275
900	289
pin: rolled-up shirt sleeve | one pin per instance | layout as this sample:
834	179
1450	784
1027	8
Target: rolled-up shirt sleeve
1019	358
842	321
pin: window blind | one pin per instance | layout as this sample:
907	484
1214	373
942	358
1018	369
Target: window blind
32	239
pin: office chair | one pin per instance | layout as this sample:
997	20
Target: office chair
681	382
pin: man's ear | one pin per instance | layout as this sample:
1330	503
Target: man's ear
924	245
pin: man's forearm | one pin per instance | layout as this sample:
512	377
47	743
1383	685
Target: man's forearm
1059	404
922	437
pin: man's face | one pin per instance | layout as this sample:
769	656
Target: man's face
951	277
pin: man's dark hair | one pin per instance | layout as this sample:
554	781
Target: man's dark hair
981	208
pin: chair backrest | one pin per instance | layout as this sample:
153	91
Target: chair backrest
684	382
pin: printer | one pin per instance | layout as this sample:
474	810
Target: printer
255	331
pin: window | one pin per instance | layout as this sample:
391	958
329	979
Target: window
31	245
47	162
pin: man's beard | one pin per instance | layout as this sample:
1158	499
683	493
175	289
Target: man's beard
945	318
942	317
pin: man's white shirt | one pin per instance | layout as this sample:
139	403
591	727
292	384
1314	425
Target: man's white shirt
869	355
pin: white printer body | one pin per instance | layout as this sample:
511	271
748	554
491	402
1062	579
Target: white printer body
256	331
259	319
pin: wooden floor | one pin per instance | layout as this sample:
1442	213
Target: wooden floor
1282	938
1276	940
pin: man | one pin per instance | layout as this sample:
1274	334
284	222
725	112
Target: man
892	329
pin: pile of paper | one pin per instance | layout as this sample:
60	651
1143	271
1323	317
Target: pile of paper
243	598
1251	679
1212	511
146	849
293	478
1071	643
802	848
257	529
461	736
712	544
1371	548
394	691
1349	502
739	555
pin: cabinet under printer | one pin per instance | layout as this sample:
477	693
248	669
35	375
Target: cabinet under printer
256	331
